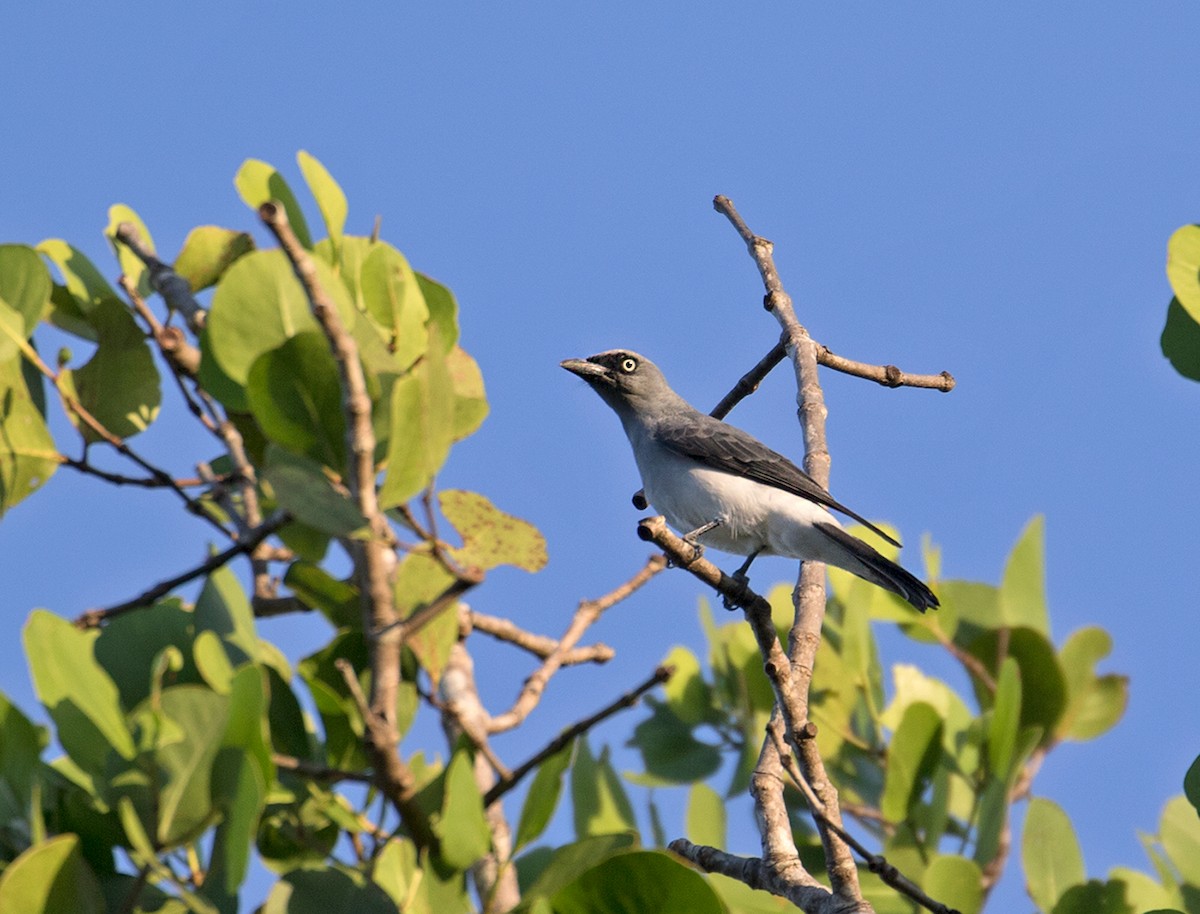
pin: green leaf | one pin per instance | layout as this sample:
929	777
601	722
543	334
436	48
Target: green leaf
28	456
993	817
295	395
1050	853
21	745
398	873
1094	703
258	182
1144	893
1023	587
1004	720
81	698
422	429
601	804
259	304
323	891
491	537
208	251
24	295
1180	341
131	265
638	881
128	645
671	754
1191	784
1094	897
119	385
912	755
1183	268
337	600
443	312
51	878
542	798
470	403
688	696
1043	686
462	828
1179	832
570	861
956	882
331	201
306	493
705	816
185	803
85	283
393	299
243	793
222	608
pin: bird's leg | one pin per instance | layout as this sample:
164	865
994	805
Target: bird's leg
692	538
742	579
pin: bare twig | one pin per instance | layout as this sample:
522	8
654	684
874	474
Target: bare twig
586	613
463	714
96	617
375	559
322	773
398	783
887	375
809	597
119	479
876	863
538	645
628	700
173	288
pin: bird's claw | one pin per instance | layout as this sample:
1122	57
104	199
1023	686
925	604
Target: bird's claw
741	582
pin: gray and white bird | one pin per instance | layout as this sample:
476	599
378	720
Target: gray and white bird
723	488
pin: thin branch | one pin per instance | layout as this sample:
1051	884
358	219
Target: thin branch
749	382
119	479
876	863
538	645
809	596
174	289
181	356
887	375
399	784
72	405
96	617
375	559
321	773
560	742
586	614
788	881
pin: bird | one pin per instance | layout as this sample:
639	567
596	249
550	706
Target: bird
721	487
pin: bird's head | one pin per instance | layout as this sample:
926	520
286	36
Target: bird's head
628	382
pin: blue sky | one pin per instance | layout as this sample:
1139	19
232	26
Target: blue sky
987	191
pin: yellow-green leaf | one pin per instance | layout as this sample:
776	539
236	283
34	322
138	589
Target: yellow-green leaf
491	537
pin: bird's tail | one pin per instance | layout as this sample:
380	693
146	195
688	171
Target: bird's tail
870	565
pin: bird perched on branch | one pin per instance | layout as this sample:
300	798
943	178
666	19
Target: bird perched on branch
723	488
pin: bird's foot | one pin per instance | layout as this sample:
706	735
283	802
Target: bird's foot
693	538
741	582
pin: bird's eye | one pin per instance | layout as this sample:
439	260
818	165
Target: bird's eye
628	365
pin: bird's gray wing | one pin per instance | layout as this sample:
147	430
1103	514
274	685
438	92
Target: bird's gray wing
725	447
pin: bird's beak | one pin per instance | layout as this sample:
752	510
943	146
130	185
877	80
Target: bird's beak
589	371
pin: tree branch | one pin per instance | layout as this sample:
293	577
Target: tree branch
538	645
174	289
560	742
375	559
96	617
809	597
586	614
